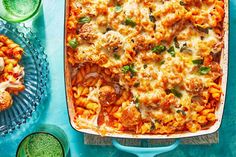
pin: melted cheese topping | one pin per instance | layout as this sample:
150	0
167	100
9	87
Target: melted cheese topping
166	54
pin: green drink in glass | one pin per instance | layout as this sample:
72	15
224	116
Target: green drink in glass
47	141
18	10
40	145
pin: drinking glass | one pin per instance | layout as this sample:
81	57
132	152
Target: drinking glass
18	10
45	141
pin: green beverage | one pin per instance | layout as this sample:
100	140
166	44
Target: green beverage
40	145
18	10
46	141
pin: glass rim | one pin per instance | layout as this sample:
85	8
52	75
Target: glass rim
39	132
26	18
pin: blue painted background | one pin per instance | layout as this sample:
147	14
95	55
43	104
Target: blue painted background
48	25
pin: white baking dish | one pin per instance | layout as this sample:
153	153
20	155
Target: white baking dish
219	111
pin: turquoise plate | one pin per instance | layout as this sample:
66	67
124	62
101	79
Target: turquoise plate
36	70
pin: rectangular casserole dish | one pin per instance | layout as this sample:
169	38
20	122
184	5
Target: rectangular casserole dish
219	110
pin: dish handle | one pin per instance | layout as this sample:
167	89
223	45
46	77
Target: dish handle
145	151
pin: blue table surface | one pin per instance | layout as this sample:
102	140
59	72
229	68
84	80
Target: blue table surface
49	27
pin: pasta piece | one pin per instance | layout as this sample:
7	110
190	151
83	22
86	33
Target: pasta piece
12	73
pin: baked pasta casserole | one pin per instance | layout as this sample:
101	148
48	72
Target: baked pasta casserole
11	72
145	66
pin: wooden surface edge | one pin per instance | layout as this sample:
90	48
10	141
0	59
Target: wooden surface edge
198	140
